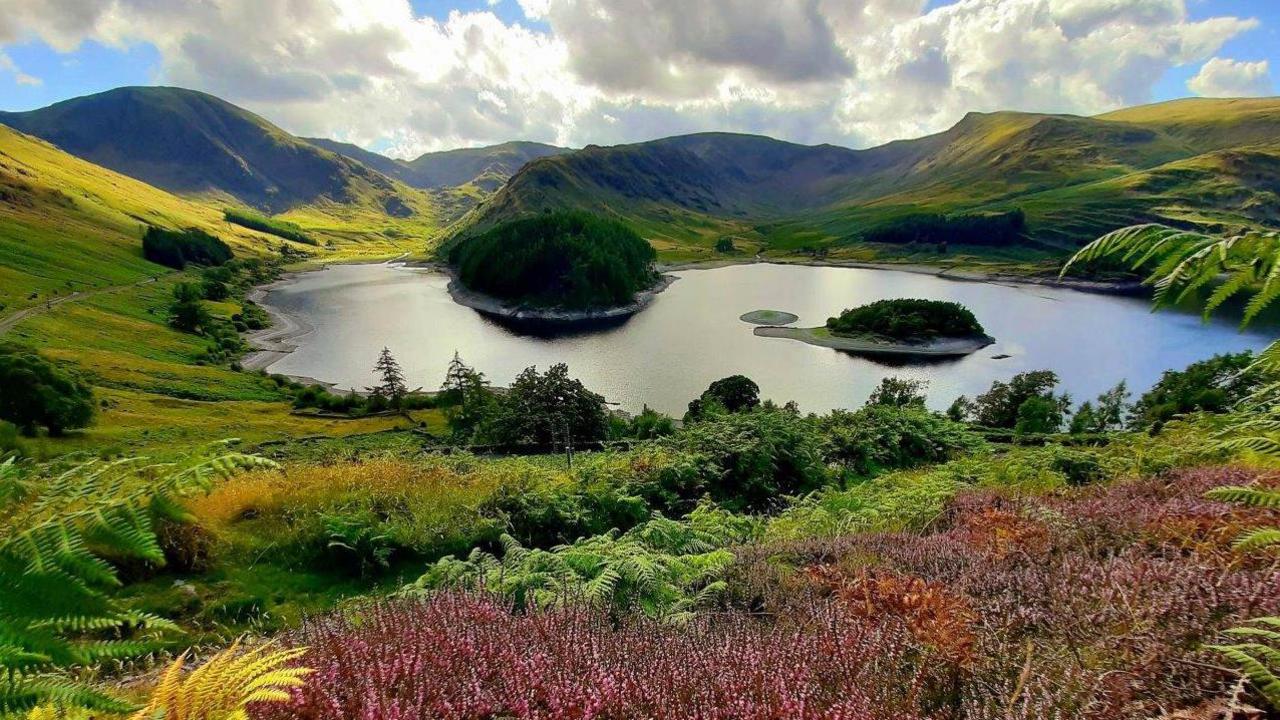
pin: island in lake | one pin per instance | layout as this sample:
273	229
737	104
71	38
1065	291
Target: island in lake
557	268
901	327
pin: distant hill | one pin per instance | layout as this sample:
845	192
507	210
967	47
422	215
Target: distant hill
1193	161
485	168
193	143
69	225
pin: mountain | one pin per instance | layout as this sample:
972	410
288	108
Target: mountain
69	225
1194	161
192	143
485	168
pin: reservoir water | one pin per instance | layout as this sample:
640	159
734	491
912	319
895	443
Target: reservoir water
691	335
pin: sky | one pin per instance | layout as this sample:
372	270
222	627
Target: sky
405	77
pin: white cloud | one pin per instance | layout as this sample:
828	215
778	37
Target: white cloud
8	65
849	71
1223	77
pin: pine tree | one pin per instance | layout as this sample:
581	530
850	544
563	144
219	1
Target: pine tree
392	387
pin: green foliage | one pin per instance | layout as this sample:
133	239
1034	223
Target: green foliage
906	319
1000	406
177	248
664	568
883	436
996	229
725	245
1109	414
546	409
34	392
736	393
1038	415
468	399
279	228
650	425
187	312
565	259
907	500
391	387
899	392
750	461
56	536
1215	385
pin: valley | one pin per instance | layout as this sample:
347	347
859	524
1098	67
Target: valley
504	431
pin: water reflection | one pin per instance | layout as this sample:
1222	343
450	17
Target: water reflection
691	335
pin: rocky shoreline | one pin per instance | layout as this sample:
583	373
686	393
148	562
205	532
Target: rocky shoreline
555	317
1102	287
939	348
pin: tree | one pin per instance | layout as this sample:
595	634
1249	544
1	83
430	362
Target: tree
999	407
1108	414
1038	414
546	409
725	245
467	396
898	392
34	392
736	393
961	410
392	388
187	312
1214	385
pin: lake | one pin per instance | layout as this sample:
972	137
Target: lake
691	335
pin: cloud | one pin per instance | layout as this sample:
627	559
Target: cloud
854	72
681	49
1223	77
7	64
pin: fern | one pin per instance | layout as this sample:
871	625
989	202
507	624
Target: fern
224	686
1249	264
666	568
55	608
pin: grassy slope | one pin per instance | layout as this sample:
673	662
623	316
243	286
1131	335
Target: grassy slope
1075	176
68	225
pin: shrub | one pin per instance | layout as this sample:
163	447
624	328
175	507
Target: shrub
881	437
906	319
177	248
663	568
750	461
736	393
1214	385
568	258
468	657
34	392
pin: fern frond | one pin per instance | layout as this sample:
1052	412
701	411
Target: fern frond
1248	496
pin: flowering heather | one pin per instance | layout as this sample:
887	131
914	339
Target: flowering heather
459	656
1101	597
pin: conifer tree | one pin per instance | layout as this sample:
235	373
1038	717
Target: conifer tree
392	387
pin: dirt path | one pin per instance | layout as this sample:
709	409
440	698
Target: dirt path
10	322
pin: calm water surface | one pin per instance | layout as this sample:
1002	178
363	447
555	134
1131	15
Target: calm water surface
691	335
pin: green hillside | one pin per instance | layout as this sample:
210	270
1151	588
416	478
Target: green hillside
1074	176
485	168
191	143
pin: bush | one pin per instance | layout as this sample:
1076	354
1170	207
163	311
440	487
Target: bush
882	437
736	393
568	259
1002	405
34	392
749	461
1214	385
906	319
177	248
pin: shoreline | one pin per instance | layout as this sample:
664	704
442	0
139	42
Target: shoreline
551	317
1102	287
271	344
943	347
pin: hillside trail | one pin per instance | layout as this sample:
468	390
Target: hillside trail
10	322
